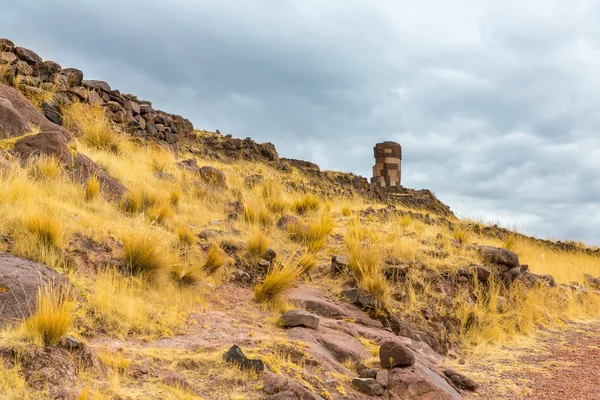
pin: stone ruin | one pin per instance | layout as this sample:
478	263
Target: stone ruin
387	168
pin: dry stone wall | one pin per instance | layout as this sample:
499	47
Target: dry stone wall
26	70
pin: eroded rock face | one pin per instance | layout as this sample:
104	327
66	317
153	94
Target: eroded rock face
20	280
303	318
15	119
393	354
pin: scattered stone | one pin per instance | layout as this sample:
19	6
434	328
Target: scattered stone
286	221
212	176
382	377
339	264
236	356
461	381
274	383
419	382
74	76
368	373
591	281
45	69
53	112
483	274
189	164
294	318
394	354
7	58
270	255
359	299
368	386
253	180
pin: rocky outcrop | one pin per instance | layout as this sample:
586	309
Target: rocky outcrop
79	166
137	117
20	280
294	318
17	114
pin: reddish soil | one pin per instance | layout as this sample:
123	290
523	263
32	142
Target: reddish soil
563	364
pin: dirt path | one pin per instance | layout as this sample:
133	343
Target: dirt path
560	364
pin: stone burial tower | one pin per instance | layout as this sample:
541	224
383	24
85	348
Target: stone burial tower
387	168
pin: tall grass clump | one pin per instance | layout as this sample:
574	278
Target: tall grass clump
257	243
45	228
146	254
185	235
307	203
461	234
92	188
53	315
45	167
306	263
258	215
313	234
279	279
214	260
94	128
346	211
271	195
138	200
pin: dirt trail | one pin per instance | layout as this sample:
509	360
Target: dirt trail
562	364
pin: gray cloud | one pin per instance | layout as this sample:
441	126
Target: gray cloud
496	105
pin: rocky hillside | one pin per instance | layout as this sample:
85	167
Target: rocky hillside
141	258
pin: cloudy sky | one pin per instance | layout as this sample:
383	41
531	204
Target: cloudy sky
496	103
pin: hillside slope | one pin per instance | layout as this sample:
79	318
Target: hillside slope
141	258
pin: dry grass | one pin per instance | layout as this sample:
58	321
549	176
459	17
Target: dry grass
94	128
257	243
214	260
92	188
257	214
53	315
307	203
45	168
346	211
279	279
306	263
185	235
461	234
46	229
115	360
313	234
146	254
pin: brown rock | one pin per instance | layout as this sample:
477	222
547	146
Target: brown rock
96	85
212	176
20	280
74	76
94	98
382	377
44	144
7	58
395	354
27	55
287	220
419	382
6	45
461	381
9	127
135	107
44	69
368	386
294	318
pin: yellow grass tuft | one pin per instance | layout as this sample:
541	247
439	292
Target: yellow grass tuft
146	254
257	243
53	315
45	168
306	263
161	213
307	203
45	228
92	188
314	234
279	279
94	127
138	200
184	275
185	235
346	211
115	360
214	260
461	234
256	214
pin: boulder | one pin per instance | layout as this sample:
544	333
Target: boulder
20	280
12	125
96	85
287	220
7	58
394	354
236	356
461	381
22	68
383	377
483	274
74	76
45	69
53	112
6	45
294	318
29	56
189	164
212	176
419	382
498	256
359	299
368	386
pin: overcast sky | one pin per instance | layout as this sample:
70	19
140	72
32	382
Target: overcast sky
496	106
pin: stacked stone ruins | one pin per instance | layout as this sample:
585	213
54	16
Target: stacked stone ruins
26	70
387	168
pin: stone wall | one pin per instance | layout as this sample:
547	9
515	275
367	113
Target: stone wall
388	164
26	70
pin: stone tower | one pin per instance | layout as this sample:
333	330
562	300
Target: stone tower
388	161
